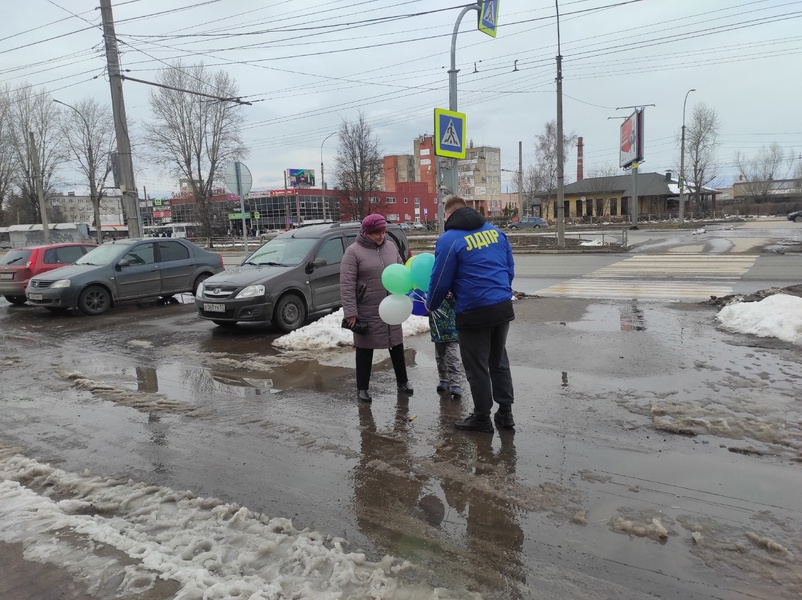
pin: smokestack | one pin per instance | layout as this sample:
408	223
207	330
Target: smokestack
580	175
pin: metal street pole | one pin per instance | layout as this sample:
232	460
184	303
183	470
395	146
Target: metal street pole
682	163
520	177
322	176
453	176
560	158
38	184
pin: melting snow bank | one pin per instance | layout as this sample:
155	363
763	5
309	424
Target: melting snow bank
779	315
327	333
123	538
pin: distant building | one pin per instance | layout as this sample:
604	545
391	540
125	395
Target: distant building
79	209
480	179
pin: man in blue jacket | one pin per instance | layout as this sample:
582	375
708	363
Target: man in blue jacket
473	260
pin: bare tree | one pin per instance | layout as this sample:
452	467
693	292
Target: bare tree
542	176
88	130
359	169
758	173
701	142
32	111
6	154
192	136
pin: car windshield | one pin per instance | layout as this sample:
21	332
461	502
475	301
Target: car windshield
102	255
283	251
15	257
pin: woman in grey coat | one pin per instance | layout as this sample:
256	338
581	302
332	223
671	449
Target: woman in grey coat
361	292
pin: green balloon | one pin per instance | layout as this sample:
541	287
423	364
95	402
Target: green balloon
397	279
421	270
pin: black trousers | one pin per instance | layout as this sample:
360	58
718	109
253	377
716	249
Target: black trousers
484	357
364	364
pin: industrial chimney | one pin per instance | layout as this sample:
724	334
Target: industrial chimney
579	160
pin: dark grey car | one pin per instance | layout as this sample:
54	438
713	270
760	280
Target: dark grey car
124	270
293	276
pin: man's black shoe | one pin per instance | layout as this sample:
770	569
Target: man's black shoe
405	388
504	420
475	423
363	396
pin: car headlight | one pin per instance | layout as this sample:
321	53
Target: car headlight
200	290
251	291
61	283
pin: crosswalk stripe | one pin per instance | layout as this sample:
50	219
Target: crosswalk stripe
702	276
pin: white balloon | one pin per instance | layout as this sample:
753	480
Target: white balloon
395	309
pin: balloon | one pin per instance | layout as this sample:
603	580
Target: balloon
419	300
421	270
396	279
409	261
395	309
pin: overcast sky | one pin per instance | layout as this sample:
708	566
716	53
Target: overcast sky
308	64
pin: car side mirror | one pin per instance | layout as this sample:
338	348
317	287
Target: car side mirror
124	262
315	264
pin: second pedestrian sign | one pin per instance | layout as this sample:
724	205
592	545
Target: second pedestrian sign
449	133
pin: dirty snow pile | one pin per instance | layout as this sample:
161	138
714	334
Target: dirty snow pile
327	333
779	316
132	536
595	242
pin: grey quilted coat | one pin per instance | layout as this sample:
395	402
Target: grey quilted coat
361	290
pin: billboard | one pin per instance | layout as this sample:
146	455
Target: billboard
631	148
300	177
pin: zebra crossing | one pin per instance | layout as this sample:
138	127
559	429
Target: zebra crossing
665	277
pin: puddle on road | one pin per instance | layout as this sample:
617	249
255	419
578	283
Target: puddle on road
604	317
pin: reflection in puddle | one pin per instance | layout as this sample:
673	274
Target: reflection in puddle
608	317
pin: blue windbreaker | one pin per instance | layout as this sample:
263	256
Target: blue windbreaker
474	261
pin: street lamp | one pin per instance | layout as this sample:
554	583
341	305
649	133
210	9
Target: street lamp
682	163
322	176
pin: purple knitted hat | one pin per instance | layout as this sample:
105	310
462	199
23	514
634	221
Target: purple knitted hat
373	223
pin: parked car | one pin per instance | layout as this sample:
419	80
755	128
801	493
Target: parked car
529	223
20	264
289	278
130	269
416	225
795	216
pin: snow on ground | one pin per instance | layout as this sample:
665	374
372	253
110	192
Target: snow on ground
778	316
130	536
327	332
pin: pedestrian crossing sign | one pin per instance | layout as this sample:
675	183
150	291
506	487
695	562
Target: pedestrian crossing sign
488	17
449	133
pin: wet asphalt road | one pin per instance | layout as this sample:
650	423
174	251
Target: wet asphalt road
641	426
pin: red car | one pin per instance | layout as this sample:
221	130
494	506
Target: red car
20	264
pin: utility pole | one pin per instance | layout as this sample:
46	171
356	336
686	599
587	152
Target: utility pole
127	187
521	177
560	158
682	163
38	184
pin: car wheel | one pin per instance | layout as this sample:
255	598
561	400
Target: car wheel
224	323
94	300
201	278
797	218
537	226
290	313
18	300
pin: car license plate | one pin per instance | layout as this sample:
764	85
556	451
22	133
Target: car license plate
35	296
6	275
214	307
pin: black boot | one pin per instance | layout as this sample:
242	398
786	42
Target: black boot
363	396
503	419
474	422
405	388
